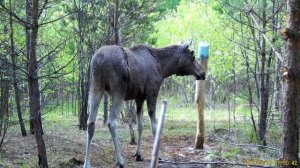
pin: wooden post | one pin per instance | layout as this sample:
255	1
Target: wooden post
154	158
200	95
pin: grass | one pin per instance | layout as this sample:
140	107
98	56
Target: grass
55	119
231	153
181	121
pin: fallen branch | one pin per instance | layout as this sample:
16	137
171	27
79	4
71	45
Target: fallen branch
221	163
250	145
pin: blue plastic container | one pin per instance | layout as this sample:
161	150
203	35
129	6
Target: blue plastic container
203	50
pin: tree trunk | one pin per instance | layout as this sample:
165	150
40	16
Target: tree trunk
249	88
291	107
277	86
277	94
83	116
73	91
234	91
117	36
14	76
33	88
250	92
84	103
264	95
4	117
28	50
130	108
62	97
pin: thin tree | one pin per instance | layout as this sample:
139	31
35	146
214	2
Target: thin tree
81	11
33	86
28	46
291	106
4	116
264	84
255	16
14	76
31	24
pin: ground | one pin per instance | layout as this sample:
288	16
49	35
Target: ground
66	146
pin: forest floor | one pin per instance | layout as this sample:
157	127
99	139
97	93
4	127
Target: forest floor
66	146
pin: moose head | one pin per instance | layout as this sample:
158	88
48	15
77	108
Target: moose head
187	64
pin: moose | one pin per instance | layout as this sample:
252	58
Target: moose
134	73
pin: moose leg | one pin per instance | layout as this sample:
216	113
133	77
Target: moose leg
139	117
94	100
117	101
151	103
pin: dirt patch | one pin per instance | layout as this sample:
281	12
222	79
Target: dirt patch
66	149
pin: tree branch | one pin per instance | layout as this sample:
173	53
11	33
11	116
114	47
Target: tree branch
52	51
42	24
277	54
275	12
43	7
20	20
56	71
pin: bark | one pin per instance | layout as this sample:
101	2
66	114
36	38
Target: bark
277	94
4	110
249	88
83	116
264	94
250	94
117	36
277	85
234	91
28	43
291	107
33	88
14	76
130	116
62	97
74	96
84	103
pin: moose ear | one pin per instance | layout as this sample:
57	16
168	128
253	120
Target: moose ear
187	44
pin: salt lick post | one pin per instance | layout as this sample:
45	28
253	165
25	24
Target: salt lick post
200	95
154	155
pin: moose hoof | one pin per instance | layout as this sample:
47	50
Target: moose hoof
139	158
120	165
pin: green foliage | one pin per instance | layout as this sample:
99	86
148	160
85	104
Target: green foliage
202	22
211	155
232	153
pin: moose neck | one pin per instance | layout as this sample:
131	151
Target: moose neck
167	60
